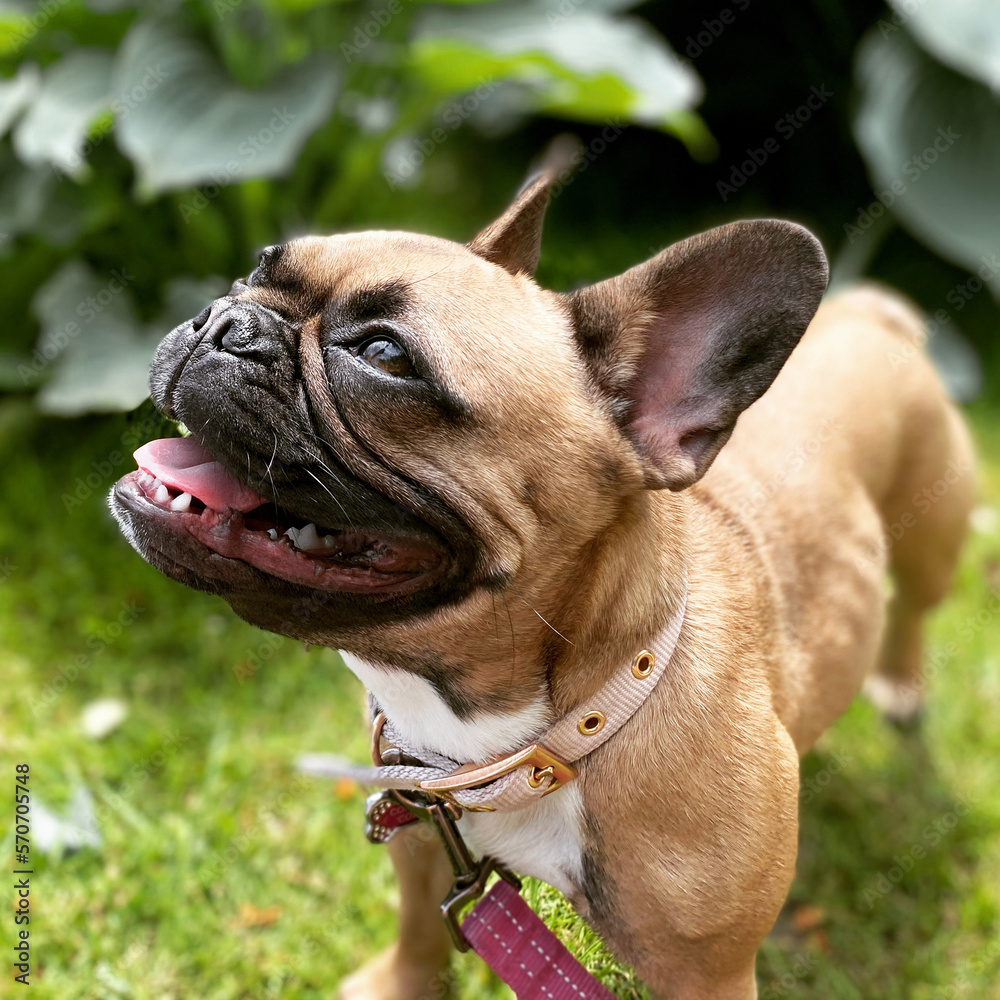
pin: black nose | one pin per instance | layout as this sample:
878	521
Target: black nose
242	334
241	328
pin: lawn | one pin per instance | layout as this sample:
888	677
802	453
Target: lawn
221	874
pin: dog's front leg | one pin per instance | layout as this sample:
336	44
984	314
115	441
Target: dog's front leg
416	964
689	865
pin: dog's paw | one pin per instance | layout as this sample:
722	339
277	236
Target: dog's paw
900	701
391	976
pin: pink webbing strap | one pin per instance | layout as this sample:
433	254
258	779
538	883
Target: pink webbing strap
512	940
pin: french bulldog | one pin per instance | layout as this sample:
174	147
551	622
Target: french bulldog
490	495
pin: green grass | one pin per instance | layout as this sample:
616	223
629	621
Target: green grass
223	875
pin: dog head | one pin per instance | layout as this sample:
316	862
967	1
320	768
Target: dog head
387	427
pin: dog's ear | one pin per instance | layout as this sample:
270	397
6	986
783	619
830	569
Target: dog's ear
514	240
685	342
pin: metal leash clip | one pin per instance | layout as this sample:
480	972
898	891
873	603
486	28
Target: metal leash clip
471	876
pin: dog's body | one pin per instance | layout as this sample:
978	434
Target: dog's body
678	839
788	545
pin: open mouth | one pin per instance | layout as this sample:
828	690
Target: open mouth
180	485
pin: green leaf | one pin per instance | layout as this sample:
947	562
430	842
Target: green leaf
931	140
35	201
957	363
576	62
16	93
90	340
184	122
92	354
16	29
74	91
186	297
964	36
12	365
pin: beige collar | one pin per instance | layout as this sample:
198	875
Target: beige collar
514	780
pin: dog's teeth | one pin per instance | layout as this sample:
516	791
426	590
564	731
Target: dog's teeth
308	538
161	494
272	533
145	479
182	502
293	534
329	541
317	569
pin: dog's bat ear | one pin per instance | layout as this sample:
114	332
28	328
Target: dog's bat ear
514	240
685	342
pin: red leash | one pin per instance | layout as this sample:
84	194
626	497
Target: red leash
514	942
501	928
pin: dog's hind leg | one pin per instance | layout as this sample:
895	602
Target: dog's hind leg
927	524
415	966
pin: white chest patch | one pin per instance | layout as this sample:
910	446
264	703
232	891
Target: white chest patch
545	839
424	719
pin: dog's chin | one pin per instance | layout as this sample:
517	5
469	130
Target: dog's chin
278	570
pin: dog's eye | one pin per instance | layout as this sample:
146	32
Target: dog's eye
387	356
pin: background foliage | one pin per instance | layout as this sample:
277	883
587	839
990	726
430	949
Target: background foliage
167	142
149	149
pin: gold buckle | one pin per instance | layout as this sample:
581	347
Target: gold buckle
541	761
378	724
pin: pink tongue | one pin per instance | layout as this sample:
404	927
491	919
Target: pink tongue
183	464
